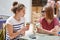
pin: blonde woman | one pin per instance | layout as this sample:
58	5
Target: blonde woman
15	24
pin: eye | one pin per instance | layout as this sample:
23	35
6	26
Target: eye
42	11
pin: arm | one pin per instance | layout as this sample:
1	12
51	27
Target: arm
41	30
56	24
10	31
55	29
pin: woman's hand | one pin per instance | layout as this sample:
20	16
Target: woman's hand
22	32
38	30
54	33
55	30
25	29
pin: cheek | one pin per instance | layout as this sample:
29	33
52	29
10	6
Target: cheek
22	14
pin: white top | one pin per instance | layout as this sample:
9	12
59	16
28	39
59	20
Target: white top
13	21
16	25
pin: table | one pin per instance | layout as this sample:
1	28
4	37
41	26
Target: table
42	37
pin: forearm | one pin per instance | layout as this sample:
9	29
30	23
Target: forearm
45	31
14	35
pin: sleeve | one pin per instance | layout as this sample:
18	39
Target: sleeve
8	22
56	21
40	20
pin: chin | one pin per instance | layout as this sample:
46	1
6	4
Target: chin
23	16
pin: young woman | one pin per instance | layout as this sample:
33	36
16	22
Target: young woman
49	24
15	24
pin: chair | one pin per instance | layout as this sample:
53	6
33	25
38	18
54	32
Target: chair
4	31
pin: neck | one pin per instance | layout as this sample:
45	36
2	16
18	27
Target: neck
48	20
17	17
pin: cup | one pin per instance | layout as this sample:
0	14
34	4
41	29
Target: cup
27	25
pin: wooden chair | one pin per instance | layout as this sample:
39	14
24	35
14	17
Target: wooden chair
4	31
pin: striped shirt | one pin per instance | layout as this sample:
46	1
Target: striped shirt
16	26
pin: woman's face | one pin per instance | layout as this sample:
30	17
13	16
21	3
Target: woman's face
21	12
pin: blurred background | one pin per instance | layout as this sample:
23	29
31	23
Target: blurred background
37	6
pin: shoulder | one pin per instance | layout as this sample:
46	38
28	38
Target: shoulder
41	19
56	19
9	20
